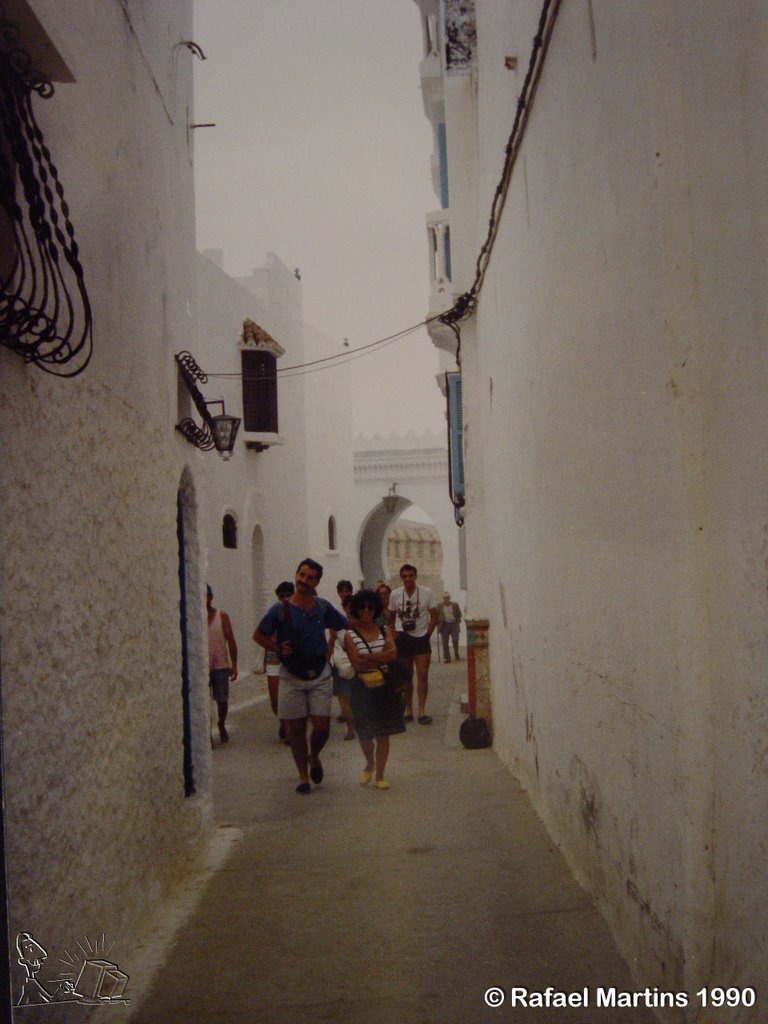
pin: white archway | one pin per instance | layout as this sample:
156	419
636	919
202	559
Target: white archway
418	467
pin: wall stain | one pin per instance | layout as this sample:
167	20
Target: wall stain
530	737
592	29
589	812
645	907
528	726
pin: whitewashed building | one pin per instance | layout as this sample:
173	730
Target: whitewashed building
286	491
614	369
106	756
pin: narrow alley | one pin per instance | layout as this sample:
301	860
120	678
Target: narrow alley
396	907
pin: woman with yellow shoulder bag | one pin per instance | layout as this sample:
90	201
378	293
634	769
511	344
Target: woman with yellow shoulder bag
377	704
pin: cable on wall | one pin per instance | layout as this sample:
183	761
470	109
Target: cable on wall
465	305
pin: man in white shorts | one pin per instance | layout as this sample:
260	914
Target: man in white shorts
295	630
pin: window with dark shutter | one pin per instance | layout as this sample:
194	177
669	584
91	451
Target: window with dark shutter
259	392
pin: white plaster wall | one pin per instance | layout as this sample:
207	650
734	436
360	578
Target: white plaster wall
330	471
614	388
725	154
98	826
288	492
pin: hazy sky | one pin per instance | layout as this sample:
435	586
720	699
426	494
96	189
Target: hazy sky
321	154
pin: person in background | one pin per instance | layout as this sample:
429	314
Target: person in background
448	622
342	671
222	660
283	591
384	591
344	590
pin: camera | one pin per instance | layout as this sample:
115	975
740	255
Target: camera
408	625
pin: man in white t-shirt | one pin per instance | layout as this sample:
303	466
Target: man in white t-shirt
413	614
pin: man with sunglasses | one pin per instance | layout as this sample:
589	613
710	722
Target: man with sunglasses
413	614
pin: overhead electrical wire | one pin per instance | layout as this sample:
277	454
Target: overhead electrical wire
340	357
466	303
359	353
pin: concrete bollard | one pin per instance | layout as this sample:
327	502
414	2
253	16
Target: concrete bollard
476	730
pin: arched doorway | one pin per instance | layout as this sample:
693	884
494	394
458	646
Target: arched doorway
194	645
373	535
183	515
397	532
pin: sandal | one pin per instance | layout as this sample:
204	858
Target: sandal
366	776
303	788
425	720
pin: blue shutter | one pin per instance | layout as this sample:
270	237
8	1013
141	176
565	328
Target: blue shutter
442	154
455	443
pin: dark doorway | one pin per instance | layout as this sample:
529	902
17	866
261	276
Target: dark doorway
189	775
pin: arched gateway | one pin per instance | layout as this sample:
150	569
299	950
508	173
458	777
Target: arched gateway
392	474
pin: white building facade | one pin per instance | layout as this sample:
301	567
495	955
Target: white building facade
285	492
613	374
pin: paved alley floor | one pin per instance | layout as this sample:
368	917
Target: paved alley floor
396	907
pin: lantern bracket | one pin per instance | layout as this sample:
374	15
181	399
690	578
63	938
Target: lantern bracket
217	432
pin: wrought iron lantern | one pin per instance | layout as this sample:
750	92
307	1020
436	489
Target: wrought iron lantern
217	432
224	430
390	500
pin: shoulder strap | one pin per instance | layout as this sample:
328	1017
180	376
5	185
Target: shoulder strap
287	612
353	630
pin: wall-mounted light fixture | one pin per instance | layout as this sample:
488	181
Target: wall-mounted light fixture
390	500
217	432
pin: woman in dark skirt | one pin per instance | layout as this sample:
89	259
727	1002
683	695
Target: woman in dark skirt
378	710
